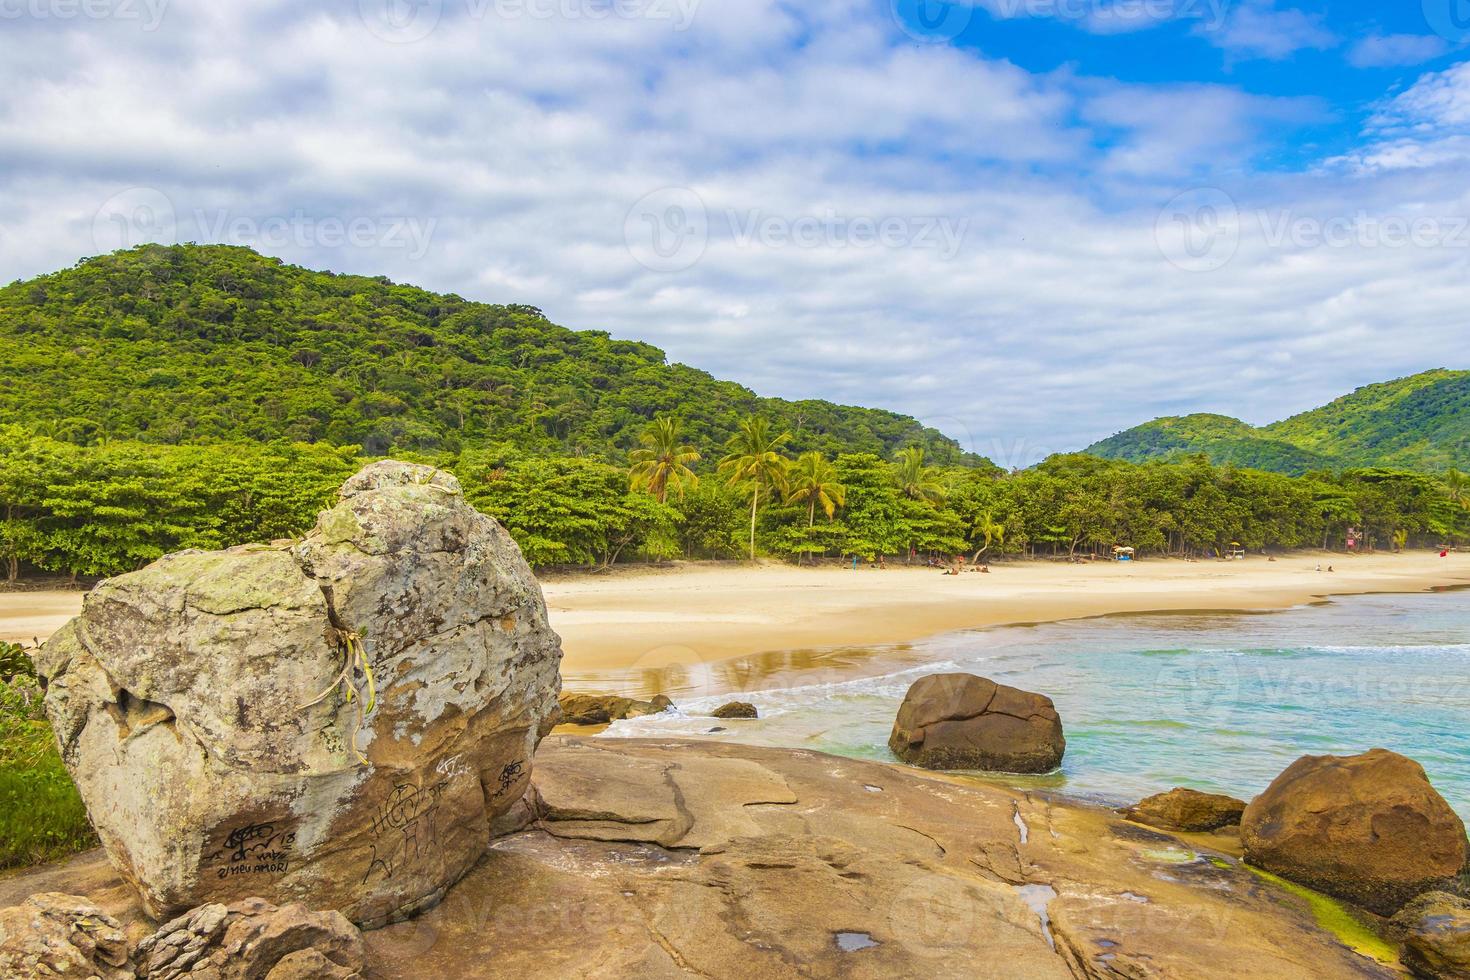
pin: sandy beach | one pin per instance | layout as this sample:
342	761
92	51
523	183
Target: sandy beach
638	621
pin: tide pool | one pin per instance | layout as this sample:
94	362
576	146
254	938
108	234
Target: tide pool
1218	702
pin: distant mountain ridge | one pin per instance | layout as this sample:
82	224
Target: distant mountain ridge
1421	422
214	343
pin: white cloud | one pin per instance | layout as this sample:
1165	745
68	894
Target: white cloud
1394	50
523	143
1426	126
1257	29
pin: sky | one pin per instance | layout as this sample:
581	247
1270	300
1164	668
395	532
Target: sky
1029	223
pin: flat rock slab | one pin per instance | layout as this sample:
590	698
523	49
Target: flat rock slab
675	859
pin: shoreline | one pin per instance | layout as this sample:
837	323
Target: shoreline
639	631
651	632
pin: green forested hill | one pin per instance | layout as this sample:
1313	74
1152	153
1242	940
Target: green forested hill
188	344
1419	423
1223	439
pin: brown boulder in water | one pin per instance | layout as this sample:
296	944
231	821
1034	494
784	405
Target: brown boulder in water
736	709
1187	810
333	722
603	709
960	721
1436	932
1366	828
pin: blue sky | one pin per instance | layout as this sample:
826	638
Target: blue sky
1028	222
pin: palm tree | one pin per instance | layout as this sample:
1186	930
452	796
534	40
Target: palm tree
663	462
917	480
991	532
813	481
755	462
1457	487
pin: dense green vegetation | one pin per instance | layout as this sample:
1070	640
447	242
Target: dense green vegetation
190	344
1417	423
100	510
1226	441
41	814
1420	422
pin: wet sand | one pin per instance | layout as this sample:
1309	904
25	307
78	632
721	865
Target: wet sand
629	625
620	630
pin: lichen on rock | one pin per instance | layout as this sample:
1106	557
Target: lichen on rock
181	700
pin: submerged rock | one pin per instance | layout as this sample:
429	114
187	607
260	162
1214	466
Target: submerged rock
1436	932
603	709
56	935
1366	828
334	721
736	709
253	939
960	721
1187	810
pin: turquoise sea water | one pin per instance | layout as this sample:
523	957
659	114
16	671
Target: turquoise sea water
1219	702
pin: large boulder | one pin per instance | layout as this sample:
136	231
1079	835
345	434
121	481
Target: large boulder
333	721
960	721
56	935
1187	810
1435	928
251	940
603	709
1367	828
